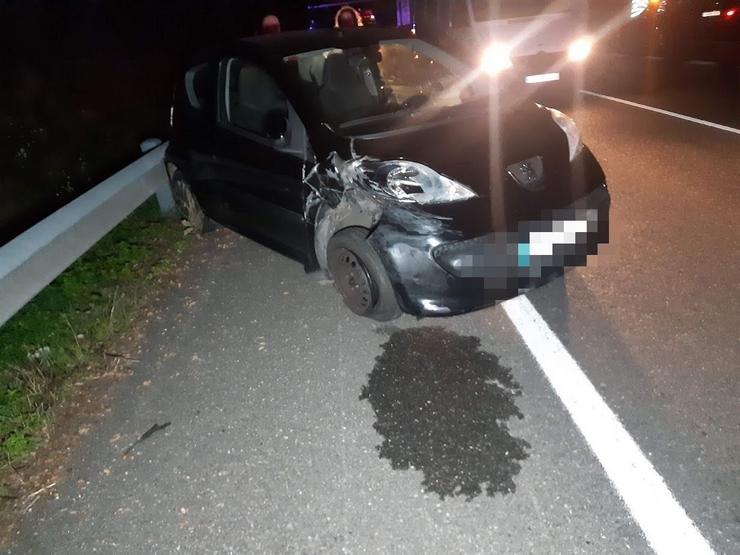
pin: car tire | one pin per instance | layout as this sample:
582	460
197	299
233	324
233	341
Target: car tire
360	276
188	206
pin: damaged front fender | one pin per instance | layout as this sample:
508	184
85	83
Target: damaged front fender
356	208
338	199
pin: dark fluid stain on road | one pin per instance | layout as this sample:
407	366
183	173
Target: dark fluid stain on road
442	404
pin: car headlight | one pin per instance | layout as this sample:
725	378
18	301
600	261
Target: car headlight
413	182
580	49
569	127
496	58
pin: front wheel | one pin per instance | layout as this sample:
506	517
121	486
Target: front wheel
360	277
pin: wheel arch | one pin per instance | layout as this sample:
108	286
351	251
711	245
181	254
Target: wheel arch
356	209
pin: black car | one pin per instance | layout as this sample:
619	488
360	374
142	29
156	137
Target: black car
389	164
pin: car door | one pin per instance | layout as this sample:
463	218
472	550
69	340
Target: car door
258	157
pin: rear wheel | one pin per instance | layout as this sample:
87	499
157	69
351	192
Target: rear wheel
360	277
187	205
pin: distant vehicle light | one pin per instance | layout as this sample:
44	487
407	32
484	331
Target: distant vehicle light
637	7
580	49
496	58
730	13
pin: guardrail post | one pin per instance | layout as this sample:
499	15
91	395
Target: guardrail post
162	191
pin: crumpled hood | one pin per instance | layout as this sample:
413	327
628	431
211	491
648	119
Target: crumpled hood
466	145
462	145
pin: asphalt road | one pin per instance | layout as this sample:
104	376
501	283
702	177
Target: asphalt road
297	427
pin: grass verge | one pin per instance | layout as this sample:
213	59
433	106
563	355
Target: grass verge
68	328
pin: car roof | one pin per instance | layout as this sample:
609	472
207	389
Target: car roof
279	45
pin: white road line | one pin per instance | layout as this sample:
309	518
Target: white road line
666	525
665	112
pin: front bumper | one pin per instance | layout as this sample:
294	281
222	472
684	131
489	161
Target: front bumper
437	273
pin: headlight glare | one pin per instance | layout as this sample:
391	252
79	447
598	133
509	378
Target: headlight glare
496	58
414	182
580	49
569	127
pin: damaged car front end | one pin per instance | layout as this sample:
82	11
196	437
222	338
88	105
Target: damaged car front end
439	242
422	189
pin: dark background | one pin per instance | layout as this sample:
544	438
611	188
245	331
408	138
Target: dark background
84	81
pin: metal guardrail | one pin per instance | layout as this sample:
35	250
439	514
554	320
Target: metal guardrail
32	260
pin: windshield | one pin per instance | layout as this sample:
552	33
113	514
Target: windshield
378	80
486	10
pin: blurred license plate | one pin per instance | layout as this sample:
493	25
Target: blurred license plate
542	78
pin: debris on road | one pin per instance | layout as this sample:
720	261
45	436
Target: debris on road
33	497
121	356
146	435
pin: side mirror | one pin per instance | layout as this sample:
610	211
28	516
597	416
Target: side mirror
276	126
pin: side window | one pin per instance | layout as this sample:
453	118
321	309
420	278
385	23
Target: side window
252	101
196	84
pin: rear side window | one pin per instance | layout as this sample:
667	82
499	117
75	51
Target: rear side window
250	95
196	86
